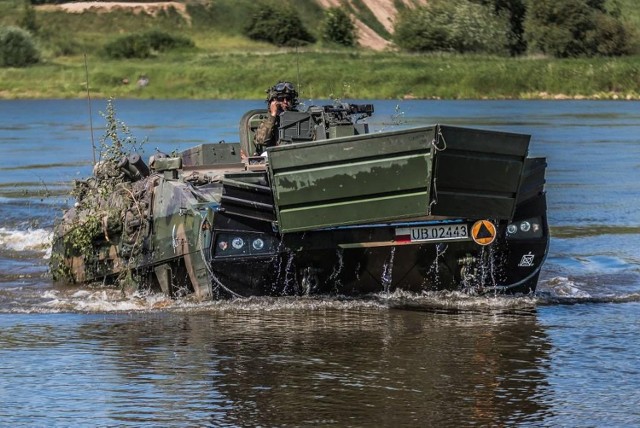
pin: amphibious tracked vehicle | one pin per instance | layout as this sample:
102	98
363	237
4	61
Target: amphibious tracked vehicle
332	209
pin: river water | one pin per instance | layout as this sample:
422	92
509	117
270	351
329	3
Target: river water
567	356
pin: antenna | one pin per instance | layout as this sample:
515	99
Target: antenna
86	72
298	70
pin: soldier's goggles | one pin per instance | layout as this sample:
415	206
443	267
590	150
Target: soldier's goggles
284	86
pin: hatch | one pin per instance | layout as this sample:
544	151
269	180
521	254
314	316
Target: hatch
477	173
352	180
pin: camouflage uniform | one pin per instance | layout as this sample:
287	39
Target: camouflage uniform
266	134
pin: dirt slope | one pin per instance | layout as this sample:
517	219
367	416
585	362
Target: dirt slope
384	10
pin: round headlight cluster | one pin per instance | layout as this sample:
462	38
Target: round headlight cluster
237	243
257	244
525	229
243	244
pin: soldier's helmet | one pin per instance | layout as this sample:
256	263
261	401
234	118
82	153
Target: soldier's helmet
283	90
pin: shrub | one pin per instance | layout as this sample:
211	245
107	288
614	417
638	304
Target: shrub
28	19
455	26
574	28
144	45
338	28
278	24
161	41
514	11
129	46
17	48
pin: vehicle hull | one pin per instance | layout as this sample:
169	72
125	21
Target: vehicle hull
349	212
369	259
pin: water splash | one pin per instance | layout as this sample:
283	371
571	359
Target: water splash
337	270
289	285
387	272
397	120
26	240
434	269
277	265
481	271
555	291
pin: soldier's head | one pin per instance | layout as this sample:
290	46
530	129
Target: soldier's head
285	93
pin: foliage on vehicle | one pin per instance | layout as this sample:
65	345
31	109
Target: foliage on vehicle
96	223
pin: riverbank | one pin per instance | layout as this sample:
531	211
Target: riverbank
327	74
225	64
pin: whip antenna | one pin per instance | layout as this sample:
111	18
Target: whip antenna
86	72
298	70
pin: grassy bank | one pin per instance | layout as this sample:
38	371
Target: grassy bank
225	64
327	74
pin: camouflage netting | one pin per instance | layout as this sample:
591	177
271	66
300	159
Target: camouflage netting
105	229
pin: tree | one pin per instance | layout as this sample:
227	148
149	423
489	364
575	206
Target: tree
278	24
17	48
455	26
574	28
28	19
514	11
338	28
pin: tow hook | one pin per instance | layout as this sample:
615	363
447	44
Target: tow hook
467	269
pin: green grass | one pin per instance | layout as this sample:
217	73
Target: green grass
340	74
227	65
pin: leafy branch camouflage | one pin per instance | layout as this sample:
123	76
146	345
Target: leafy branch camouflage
107	210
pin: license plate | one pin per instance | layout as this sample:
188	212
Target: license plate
441	232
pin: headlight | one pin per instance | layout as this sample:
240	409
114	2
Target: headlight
257	244
529	228
237	243
240	244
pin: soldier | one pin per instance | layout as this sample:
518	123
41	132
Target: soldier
280	97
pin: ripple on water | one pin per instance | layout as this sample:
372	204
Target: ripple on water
110	300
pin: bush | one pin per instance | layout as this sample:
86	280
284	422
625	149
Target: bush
574	28
454	26
28	19
338	28
129	46
161	41
514	11
144	45
278	24
17	48
609	37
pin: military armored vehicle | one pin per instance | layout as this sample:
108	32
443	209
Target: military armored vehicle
333	209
